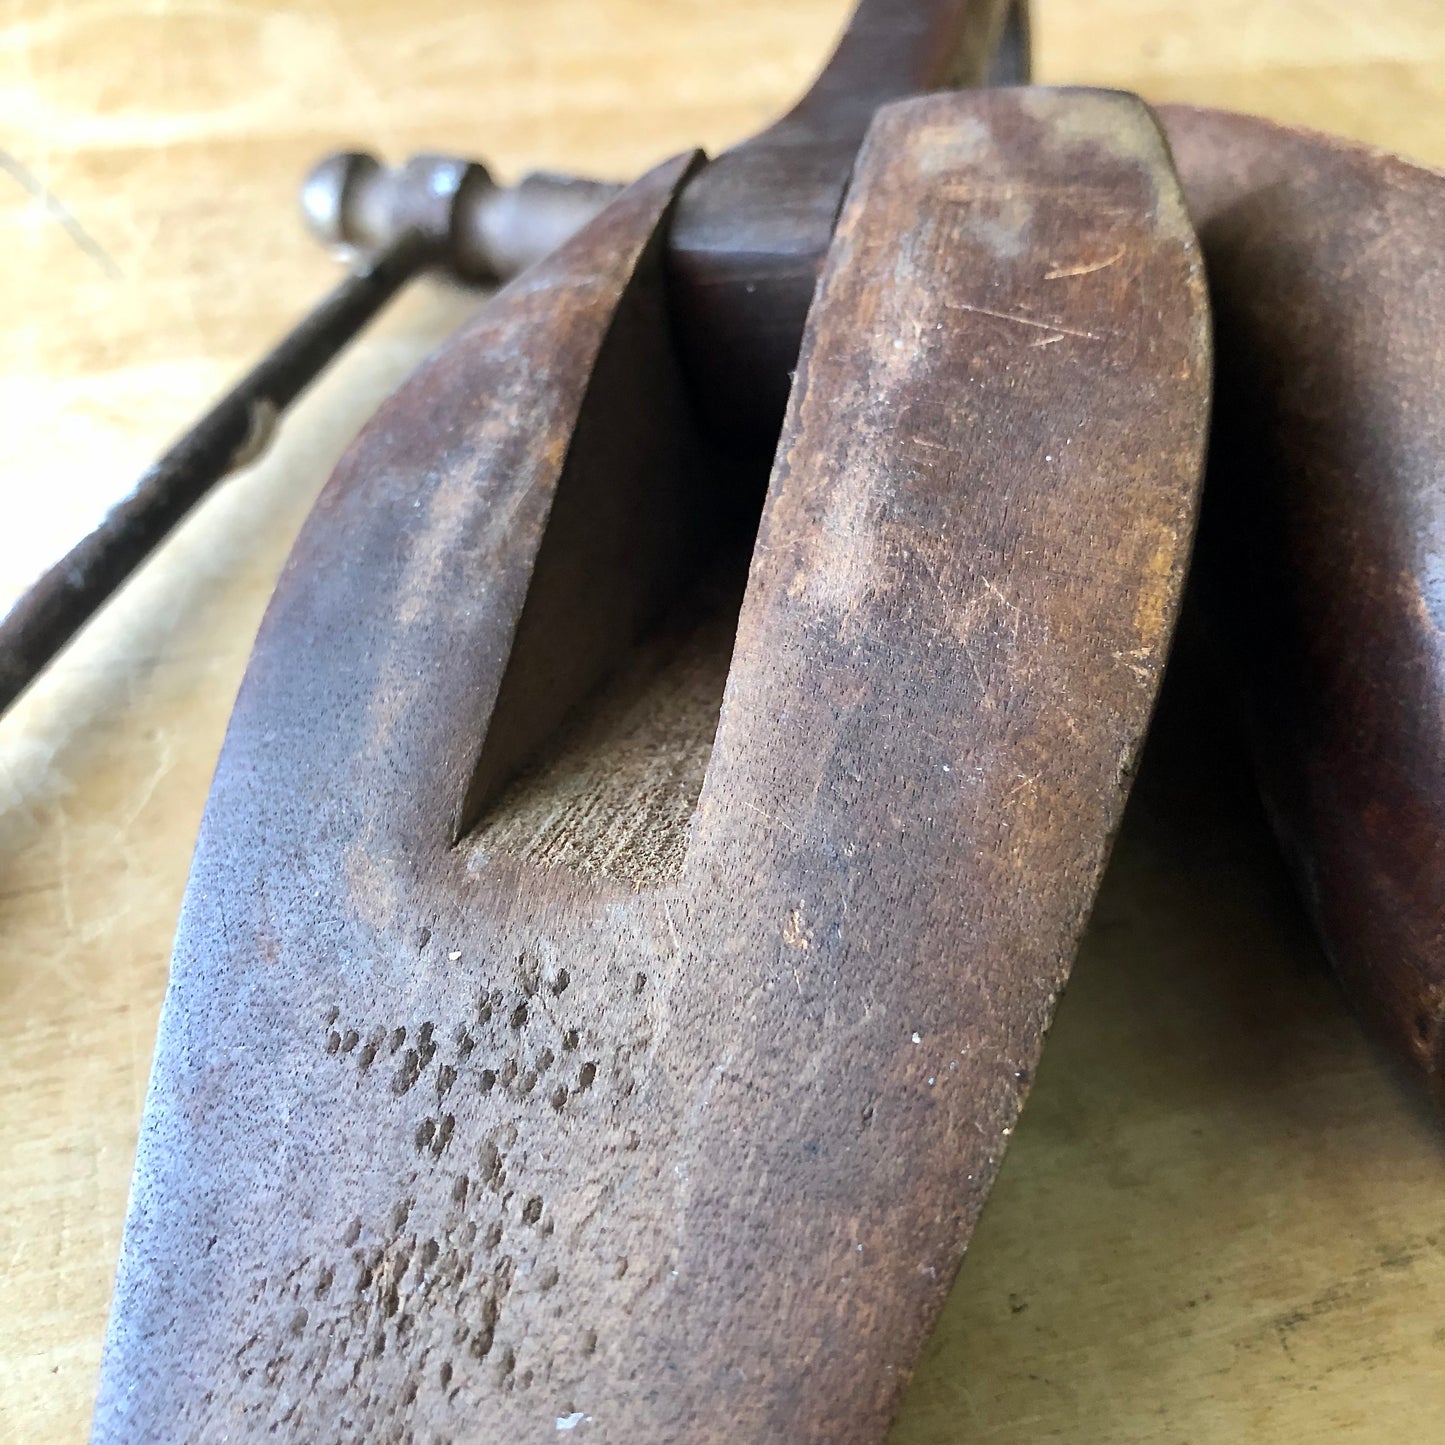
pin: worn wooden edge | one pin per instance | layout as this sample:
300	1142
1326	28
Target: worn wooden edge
1325	494
356	729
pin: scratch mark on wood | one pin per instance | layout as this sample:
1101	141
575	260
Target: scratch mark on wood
1060	329
68	221
1062	272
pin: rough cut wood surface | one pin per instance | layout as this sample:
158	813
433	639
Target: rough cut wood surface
1220	1216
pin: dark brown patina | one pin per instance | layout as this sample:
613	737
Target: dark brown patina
672	1122
1324	555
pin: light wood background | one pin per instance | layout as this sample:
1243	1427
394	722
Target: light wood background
1222	1218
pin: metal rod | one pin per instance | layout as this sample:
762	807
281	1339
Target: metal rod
234	432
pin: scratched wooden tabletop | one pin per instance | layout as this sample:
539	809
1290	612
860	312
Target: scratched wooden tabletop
1222	1218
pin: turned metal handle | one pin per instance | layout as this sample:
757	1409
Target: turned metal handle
483	232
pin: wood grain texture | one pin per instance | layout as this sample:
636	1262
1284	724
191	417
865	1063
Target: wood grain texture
442	1142
1219	1218
328	903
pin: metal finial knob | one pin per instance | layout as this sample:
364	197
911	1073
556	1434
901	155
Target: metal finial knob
328	195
